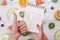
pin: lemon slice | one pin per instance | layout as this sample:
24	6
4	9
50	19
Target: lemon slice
57	14
10	11
56	34
4	36
22	2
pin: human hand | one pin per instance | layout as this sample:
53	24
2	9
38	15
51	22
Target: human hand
19	27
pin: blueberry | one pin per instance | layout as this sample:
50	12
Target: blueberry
2	25
52	7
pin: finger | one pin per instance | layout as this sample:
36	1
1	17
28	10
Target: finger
39	27
19	24
25	29
15	23
35	35
23	26
15	18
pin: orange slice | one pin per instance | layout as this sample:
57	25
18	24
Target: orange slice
22	2
57	14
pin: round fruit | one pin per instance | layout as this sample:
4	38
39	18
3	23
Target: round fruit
54	0
2	25
22	14
52	7
51	25
57	14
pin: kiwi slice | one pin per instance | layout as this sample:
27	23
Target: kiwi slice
45	10
51	25
21	14
54	0
25	34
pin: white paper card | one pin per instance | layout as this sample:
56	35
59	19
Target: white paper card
33	17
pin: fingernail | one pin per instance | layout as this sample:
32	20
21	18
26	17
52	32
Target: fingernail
18	21
38	25
19	31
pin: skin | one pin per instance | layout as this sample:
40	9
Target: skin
23	27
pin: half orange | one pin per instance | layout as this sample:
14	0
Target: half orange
57	14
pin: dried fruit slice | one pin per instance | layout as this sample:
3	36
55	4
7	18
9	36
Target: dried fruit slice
4	36
39	2
22	2
56	34
57	14
22	14
10	11
51	25
54	0
4	2
25	34
10	27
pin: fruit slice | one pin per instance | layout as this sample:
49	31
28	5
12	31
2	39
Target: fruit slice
51	25
54	0
45	10
26	33
22	14
56	34
10	27
22	2
10	11
57	14
4	36
39	2
4	2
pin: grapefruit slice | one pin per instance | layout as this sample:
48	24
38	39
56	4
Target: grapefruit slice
39	2
57	14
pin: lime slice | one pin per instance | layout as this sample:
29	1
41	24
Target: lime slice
51	25
4	36
56	34
10	11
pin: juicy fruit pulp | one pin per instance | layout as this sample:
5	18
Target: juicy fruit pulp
22	2
57	14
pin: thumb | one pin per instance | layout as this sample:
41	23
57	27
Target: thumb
39	27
